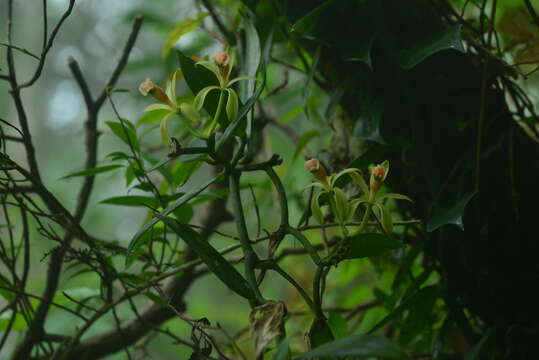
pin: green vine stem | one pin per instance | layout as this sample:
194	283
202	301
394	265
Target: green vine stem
272	265
251	259
282	195
306	244
317	294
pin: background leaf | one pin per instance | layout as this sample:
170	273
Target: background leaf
182	28
370	244
215	262
358	345
450	215
446	39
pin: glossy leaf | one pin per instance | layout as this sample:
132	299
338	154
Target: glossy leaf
182	28
358	345
450	215
93	171
446	39
176	204
197	78
370	244
215	262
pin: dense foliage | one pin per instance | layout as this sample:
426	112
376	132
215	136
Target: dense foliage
312	179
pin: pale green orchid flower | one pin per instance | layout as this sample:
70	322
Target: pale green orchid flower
221	67
169	103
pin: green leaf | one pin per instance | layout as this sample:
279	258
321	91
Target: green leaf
341	205
4	286
478	348
152	116
418	297
197	78
232	104
93	171
320	334
251	58
282	351
450	215
370	244
125	131
176	204
419	316
181	29
337	324
447	39
307	24
358	345
304	140
385	218
315	209
22	50
395	196
132	200
215	262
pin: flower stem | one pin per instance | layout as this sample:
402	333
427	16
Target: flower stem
218	111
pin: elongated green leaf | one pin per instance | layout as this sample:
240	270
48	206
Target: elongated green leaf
183	200
125	131
358	345
211	257
307	24
22	50
232	104
395	196
429	291
419	316
282	350
450	215
385	218
182	28
197	78
132	200
93	171
308	83
338	325
315	209
320	334
478	348
370	244
447	39
303	140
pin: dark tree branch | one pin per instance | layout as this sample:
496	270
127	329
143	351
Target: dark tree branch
222	28
532	12
47	44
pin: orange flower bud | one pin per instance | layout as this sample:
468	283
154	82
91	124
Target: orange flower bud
378	176
148	87
220	58
379	172
315	167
